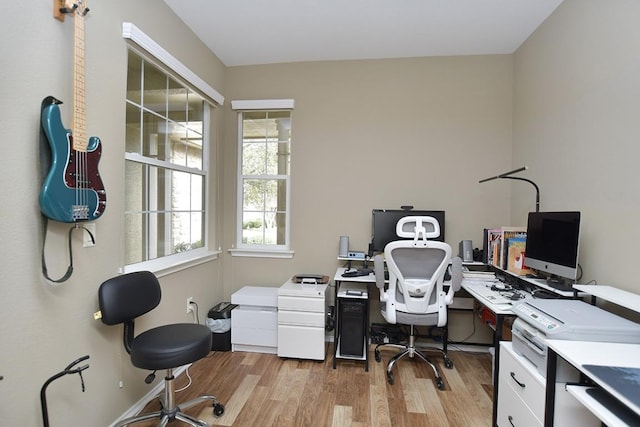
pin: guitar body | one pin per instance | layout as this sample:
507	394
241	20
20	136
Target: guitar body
72	190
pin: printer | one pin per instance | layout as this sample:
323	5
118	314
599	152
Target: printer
563	319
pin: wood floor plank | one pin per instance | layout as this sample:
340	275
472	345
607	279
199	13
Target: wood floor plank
265	390
379	406
235	404
342	416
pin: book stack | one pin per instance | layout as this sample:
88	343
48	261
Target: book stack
479	276
505	248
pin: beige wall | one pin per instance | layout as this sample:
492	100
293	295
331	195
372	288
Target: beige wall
577	100
45	327
378	134
366	134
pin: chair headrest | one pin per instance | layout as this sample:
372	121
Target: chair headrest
416	227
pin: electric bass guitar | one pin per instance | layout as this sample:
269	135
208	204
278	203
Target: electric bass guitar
72	190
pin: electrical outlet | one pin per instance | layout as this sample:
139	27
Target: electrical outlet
189	305
87	242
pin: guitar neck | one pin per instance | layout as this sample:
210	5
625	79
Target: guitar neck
79	121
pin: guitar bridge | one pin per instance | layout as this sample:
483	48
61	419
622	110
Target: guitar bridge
79	212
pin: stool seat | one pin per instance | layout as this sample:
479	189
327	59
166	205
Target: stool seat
170	346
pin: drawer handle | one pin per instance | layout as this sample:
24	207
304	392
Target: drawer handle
513	375
511	421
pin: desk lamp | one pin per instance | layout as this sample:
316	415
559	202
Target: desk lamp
507	175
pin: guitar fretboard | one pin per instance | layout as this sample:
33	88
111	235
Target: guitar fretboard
79	120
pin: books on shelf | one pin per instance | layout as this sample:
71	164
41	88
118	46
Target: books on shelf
505	248
492	247
509	233
515	256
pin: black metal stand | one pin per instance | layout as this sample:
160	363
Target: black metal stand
67	370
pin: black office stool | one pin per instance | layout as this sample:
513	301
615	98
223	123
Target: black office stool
167	347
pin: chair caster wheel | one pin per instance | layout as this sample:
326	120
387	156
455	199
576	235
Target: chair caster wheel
218	409
390	377
448	363
377	356
440	384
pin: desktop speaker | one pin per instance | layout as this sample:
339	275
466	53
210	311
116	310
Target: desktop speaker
344	247
466	250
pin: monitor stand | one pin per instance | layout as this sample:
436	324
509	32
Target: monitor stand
559	284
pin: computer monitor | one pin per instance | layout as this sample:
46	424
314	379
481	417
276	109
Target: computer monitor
553	240
383	226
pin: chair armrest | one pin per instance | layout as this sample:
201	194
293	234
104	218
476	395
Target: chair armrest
456	279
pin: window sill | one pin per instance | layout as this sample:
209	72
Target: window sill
173	263
261	253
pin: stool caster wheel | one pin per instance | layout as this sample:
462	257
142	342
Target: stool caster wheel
218	409
377	355
448	363
440	384
390	377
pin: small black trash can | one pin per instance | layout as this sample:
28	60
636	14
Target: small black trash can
219	321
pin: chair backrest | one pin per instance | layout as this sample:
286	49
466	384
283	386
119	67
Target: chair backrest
416	271
123	298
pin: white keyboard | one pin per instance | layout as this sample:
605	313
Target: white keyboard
494	297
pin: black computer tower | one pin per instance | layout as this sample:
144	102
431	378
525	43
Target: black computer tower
352	319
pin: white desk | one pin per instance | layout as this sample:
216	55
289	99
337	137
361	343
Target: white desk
609	293
579	354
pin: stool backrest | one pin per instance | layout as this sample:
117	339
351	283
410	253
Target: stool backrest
123	298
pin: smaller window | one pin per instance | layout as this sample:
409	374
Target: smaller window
264	179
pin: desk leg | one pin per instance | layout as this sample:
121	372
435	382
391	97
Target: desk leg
497	337
550	388
367	328
336	333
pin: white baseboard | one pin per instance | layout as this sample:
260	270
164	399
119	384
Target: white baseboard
155	391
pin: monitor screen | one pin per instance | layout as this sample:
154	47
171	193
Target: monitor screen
552	243
383	226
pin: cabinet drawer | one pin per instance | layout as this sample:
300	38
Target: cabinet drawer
301	342
522	377
254	317
300	318
254	336
301	304
512	411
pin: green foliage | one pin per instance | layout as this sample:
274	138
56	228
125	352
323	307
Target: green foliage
252	224
186	246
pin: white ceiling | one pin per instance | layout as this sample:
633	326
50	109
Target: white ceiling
248	32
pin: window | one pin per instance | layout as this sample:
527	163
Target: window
166	165
264	175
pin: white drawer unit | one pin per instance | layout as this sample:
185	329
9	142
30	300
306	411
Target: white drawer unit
254	323
520	391
301	320
521	395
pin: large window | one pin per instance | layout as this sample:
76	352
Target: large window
167	125
264	179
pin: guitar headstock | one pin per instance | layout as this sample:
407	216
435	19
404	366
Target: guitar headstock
63	7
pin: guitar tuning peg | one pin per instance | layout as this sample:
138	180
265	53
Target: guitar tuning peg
71	9
84	12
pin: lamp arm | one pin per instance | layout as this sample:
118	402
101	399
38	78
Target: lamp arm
530	182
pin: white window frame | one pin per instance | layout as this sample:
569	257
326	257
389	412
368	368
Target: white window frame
176	262
252	250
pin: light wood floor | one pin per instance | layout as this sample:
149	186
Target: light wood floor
265	390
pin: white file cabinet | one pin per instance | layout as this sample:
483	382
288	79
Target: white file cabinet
301	320
254	323
521	395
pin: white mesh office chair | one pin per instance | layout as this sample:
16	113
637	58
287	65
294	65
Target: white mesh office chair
415	293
